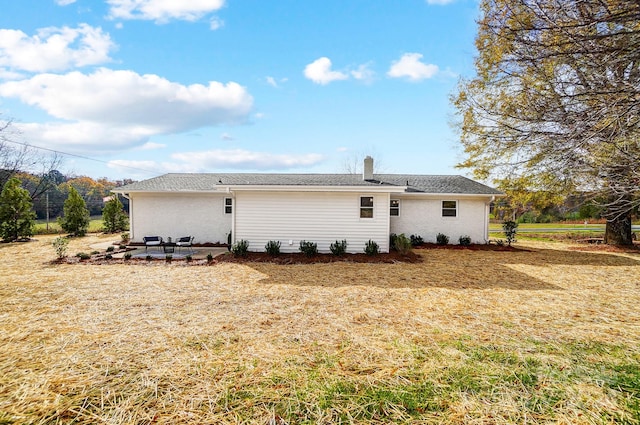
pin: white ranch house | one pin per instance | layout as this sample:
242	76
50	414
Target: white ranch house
320	208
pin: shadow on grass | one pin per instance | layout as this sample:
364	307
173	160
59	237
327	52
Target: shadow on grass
452	269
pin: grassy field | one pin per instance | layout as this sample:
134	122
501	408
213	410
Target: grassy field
543	335
95	225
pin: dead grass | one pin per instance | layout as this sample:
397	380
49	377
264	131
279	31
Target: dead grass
548	335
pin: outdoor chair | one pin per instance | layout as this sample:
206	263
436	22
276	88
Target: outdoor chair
152	241
185	242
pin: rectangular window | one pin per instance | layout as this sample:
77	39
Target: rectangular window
228	205
366	207
394	208
449	208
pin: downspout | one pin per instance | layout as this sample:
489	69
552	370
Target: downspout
233	216
128	198
487	211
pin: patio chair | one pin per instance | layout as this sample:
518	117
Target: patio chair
152	241
185	242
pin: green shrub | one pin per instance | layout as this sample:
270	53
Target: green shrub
510	228
189	258
149	258
240	248
371	248
83	255
168	258
94	252
442	239
61	244
76	215
125	237
122	247
338	247
108	256
403	244
416	240
272	248
110	248
127	256
308	248
113	215
17	218
464	240
209	257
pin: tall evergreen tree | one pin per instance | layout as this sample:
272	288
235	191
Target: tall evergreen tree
555	103
16	211
76	215
113	215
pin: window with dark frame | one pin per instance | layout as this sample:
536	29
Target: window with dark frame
366	207
449	208
228	205
394	208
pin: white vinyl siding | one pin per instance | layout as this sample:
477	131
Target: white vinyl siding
423	216
199	215
320	217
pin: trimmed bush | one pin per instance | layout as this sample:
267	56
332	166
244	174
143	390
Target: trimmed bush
240	248
371	248
308	248
338	248
209	257
110	248
442	239
464	240
108	257
403	244
149	258
272	248
83	255
189	258
416	240
127	256
168	258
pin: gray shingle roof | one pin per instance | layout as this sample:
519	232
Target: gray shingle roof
209	181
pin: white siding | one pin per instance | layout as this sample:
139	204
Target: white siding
174	214
423	216
320	217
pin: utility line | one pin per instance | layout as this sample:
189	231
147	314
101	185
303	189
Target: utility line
78	156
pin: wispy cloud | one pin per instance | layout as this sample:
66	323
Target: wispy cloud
235	159
65	2
163	11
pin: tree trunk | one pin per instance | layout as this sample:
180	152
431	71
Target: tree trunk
618	231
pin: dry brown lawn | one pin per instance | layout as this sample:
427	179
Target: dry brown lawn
547	335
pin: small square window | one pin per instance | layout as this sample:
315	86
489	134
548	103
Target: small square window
449	208
394	208
366	207
228	205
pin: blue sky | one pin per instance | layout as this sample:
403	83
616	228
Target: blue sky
154	86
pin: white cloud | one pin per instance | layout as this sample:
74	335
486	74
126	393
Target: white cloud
65	2
151	146
272	81
115	109
54	49
247	160
216	23
342	149
440	2
206	161
163	10
363	73
319	71
409	66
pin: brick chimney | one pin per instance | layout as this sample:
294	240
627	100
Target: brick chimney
367	171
